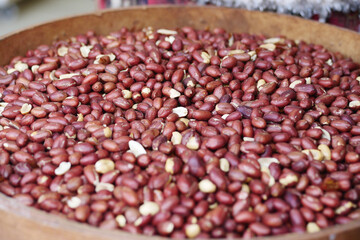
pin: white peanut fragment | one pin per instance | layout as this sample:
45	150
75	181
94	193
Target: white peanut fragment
253	55
104	165
260	84
294	83
325	134
190	83
174	93
225	116
316	154
207	186
170	39
62	51
206	57
192	230
233	52
176	138
34	68
325	151
345	207
248	139
185	121
136	148
181	111
308	80
266	161
1	110
25	108
62	168
107	132
288	179
138	222
193	143
274	40
169	165
167	227
126	94
20	66
68	75
104	186
264	167
231	40
329	62
145	90
224	164
149	31
52	75
354	104
166	32
149	208
73	202
136	95
80	117
312	227
85	50
245	191
11	70
268	46
121	220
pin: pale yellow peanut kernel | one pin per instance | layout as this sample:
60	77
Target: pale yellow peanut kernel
268	46
169	165
176	138
260	84
149	208
325	151
193	143
74	202
206	57
104	186
107	132
288	179
104	165
224	165
312	227
121	220
316	154
207	186
62	168
180	111
25	108
174	93
136	148
192	230
126	94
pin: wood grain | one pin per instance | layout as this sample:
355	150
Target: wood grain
19	222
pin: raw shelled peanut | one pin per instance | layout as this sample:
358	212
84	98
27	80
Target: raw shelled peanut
183	133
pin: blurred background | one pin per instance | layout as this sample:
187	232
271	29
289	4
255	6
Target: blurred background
19	14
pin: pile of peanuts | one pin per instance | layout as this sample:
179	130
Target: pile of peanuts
183	133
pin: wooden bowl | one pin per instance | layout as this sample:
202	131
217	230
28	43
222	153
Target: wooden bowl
18	222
